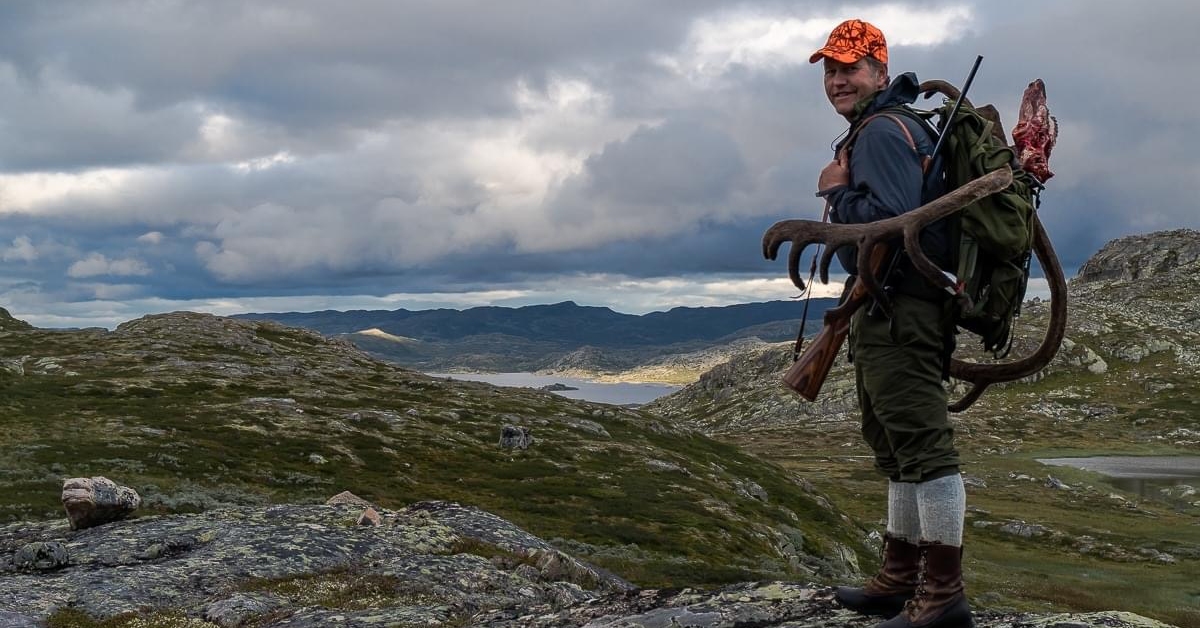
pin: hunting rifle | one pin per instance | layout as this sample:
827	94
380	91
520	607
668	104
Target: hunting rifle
810	369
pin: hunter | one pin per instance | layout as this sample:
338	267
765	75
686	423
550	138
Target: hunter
900	353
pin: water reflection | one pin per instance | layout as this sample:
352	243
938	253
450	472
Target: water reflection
1146	476
623	393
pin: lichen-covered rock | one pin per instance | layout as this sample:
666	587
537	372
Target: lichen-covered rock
765	605
346	497
512	437
369	517
239	608
17	620
416	567
1142	256
96	501
41	556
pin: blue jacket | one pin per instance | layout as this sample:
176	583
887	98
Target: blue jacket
885	173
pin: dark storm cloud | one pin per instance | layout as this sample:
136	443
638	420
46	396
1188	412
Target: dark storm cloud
230	149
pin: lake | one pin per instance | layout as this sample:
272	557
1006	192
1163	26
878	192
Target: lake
601	392
1144	475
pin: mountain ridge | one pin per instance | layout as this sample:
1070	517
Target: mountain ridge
565	322
561	338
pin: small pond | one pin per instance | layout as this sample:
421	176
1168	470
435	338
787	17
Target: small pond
1144	475
575	388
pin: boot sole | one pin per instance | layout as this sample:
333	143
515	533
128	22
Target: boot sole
882	606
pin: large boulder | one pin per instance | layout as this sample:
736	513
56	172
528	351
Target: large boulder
90	502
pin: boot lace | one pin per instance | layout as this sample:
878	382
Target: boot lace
912	607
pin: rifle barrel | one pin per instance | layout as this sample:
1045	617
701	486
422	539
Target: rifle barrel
962	95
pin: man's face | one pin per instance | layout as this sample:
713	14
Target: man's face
848	83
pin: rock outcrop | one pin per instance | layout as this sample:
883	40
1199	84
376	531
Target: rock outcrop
1144	256
9	323
513	437
427	564
430	564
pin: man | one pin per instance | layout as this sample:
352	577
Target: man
899	352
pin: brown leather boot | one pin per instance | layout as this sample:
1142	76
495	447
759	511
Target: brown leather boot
886	592
939	601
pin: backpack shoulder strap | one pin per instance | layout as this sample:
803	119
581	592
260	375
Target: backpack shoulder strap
925	159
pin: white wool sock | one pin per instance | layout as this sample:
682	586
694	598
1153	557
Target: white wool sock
904	520
942	504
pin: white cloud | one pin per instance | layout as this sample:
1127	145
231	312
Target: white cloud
151	237
96	264
22	250
263	163
777	41
111	291
412	193
37	192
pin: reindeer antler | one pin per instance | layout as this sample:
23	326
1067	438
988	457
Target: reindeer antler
866	236
908	226
984	375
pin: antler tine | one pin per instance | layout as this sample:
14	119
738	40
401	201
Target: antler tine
826	260
802	233
947	89
984	375
929	270
869	280
794	265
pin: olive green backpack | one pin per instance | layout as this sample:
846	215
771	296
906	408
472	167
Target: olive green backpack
995	234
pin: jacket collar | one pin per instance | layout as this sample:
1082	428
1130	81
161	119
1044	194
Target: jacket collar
903	90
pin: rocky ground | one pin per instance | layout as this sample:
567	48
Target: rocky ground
430	564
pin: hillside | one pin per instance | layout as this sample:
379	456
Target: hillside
235	431
198	413
1124	383
562	338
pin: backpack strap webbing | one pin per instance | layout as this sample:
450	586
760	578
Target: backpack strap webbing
926	160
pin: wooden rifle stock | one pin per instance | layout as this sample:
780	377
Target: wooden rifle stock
808	373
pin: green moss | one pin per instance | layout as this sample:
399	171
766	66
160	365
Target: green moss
72	618
345	590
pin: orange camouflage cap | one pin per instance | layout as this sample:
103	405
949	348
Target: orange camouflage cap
852	40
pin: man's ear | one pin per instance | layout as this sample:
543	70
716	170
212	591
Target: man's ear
883	77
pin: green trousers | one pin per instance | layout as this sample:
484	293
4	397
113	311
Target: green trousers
898	370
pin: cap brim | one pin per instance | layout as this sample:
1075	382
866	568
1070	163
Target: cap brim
841	56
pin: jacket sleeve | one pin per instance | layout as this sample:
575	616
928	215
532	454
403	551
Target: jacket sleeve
885	180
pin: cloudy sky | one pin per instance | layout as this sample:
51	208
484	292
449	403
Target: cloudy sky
233	156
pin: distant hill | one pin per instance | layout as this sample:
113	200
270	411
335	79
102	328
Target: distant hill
560	337
565	323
